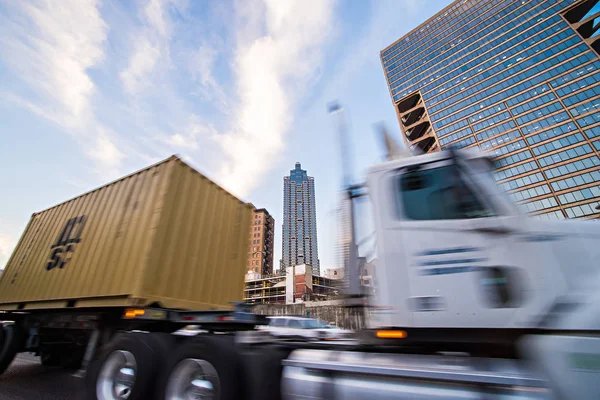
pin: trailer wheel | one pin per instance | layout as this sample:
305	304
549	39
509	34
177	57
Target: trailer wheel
205	368
11	341
127	367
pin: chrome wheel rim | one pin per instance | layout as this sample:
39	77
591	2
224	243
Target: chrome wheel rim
193	379
117	377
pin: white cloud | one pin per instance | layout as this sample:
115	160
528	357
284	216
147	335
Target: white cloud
7	244
202	63
274	65
192	135
275	61
50	47
204	60
107	156
145	56
149	45
182	141
156	14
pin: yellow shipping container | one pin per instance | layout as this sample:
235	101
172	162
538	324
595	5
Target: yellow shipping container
164	236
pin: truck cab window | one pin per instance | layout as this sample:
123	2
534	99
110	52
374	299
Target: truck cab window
438	193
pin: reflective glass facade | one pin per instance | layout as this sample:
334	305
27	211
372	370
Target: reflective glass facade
299	231
519	79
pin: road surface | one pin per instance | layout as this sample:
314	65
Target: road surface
27	379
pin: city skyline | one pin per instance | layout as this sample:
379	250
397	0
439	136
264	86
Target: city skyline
299	227
141	81
520	80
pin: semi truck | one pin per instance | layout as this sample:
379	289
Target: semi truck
473	299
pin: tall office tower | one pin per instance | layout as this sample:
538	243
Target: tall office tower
299	232
520	79
260	251
343	233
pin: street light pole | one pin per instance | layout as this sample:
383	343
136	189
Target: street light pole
351	191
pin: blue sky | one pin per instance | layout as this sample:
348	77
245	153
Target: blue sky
92	90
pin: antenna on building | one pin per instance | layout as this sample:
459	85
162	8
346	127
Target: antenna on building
339	121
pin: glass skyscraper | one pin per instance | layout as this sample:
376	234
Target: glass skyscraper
520	79
299	231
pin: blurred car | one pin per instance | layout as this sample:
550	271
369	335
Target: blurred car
304	328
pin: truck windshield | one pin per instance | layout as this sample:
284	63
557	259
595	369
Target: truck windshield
438	193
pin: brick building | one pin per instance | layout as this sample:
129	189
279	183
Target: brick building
260	249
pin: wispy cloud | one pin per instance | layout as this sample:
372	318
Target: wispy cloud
150	43
145	56
51	46
250	73
275	58
202	64
7	243
193	132
279	52
105	153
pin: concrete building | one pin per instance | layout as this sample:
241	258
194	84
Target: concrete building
260	250
343	233
297	285
520	79
299	230
335	273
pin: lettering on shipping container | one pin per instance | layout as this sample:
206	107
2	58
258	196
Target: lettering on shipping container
62	250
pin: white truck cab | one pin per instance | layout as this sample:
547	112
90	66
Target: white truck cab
455	252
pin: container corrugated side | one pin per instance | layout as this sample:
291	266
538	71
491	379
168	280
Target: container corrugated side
199	256
120	245
75	250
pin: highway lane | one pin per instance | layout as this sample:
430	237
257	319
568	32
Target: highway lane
27	379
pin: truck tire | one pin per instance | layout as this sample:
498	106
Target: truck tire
12	337
127	367
213	358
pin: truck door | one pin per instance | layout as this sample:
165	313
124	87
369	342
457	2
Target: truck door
522	278
442	223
